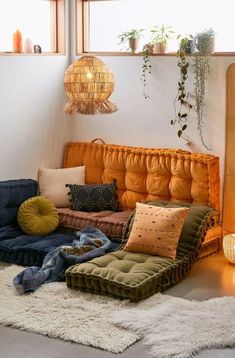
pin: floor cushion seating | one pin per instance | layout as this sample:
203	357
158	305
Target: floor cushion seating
122	274
136	276
12	194
15	246
28	250
141	175
144	174
111	223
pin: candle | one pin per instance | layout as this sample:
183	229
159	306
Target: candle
28	46
17	42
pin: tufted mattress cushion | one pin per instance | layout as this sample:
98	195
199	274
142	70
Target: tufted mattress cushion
111	223
126	275
136	276
28	250
12	194
144	174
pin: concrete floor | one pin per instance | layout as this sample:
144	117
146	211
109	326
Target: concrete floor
210	277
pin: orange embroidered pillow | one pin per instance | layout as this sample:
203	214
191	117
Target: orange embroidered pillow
156	230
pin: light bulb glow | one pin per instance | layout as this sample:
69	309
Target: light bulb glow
89	75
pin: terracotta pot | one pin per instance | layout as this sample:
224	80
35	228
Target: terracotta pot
134	45
160	47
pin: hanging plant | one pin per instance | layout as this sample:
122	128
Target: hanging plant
182	104
146	67
205	42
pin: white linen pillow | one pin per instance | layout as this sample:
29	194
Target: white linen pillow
52	183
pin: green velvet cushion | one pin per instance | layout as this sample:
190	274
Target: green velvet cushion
125	274
38	216
136	276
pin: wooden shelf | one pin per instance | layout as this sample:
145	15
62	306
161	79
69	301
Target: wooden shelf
31	54
129	54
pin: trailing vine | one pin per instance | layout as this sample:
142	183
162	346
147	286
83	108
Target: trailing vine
201	66
146	67
205	42
182	105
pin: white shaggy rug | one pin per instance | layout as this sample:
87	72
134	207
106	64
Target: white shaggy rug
175	327
169	326
56	311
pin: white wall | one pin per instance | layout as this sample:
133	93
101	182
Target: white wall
32	124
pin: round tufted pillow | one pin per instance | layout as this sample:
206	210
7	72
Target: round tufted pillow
38	216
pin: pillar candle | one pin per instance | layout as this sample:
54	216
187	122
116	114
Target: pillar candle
28	46
17	42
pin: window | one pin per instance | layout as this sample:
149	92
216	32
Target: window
41	21
104	20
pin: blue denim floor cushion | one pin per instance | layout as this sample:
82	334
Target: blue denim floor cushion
12	194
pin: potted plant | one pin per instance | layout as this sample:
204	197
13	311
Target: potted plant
187	44
160	36
205	43
131	37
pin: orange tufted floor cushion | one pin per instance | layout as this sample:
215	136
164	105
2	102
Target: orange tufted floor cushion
144	174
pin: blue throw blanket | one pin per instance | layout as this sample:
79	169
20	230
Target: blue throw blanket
91	243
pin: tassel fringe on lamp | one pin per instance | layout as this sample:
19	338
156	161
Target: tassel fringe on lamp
89	83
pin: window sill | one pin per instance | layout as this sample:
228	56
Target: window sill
215	54
32	54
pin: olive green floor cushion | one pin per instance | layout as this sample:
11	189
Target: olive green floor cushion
38	216
125	274
136	276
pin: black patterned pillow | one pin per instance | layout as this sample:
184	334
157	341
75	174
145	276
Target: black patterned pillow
93	197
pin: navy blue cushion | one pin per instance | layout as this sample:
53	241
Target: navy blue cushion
12	194
28	250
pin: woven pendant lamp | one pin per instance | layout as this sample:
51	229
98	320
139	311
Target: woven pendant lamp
88	84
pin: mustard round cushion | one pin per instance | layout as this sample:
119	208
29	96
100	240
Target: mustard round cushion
38	216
